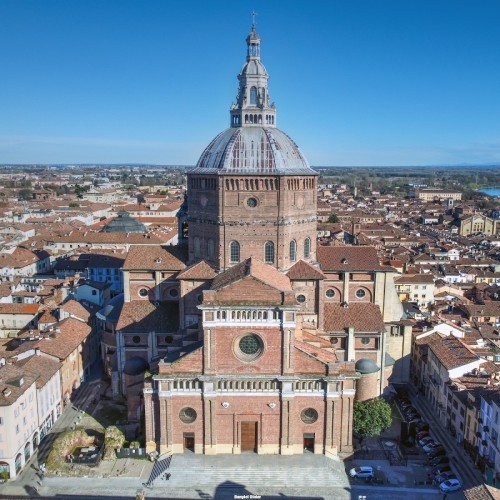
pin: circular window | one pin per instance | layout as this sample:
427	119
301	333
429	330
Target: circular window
250	344
143	292
136	339
249	347
169	339
252	202
309	416
330	293
173	293
188	415
365	340
334	340
360	293
301	299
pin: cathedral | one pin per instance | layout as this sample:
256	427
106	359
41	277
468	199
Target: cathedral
250	338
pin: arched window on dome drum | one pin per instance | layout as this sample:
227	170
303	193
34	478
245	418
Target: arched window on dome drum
293	251
307	248
269	252
197	246
253	96
234	251
210	248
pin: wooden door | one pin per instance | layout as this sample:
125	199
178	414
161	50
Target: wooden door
189	441
249	436
309	442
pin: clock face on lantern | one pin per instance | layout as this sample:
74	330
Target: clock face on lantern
203	200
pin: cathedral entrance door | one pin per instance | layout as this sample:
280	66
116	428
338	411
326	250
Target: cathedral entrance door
249	436
189	441
309	442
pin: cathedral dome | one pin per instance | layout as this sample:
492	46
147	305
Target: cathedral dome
253	67
253	150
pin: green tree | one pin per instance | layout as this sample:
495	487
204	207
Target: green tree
371	417
25	194
333	219
73	204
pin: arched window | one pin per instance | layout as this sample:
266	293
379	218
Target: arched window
269	252
253	96
210	248
293	251
234	251
197	246
307	248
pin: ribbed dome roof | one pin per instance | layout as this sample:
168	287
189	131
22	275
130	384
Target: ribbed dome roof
366	366
124	223
253	150
135	366
253	67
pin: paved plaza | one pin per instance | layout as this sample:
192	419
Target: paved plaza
218	477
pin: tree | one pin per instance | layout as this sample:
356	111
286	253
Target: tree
333	219
371	417
73	204
25	194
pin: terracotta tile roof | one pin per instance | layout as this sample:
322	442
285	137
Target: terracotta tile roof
19	308
257	269
489	308
144	316
451	351
200	270
72	333
304	271
317	353
346	258
310	337
482	492
363	317
74	308
415	278
11	388
155	258
42	366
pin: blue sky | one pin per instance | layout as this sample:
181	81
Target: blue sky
356	82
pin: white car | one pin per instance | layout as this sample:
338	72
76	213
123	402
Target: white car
450	485
364	471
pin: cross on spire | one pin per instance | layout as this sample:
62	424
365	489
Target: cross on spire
253	18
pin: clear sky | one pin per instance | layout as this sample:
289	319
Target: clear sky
356	82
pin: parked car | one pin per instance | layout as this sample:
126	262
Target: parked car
420	435
422	426
439	460
438	470
425	440
450	485
437	452
431	446
441	478
363	471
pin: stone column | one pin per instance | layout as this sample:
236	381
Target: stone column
149	421
331	419
346	426
165	425
287	402
210	418
351	349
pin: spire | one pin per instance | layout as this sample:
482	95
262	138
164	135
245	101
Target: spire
252	107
